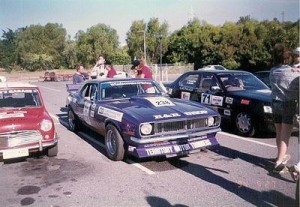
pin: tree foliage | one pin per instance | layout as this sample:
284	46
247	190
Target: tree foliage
244	45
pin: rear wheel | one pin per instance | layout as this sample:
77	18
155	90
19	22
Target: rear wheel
73	121
114	143
244	124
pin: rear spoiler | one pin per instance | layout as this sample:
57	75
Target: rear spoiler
73	87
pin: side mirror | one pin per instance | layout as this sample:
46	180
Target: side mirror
215	88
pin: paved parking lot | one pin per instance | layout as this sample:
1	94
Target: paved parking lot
235	173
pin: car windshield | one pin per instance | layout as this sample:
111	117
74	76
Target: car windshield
15	98
127	89
241	81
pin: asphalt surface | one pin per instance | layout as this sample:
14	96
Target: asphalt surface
235	173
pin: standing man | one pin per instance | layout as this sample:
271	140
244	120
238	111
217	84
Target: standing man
78	77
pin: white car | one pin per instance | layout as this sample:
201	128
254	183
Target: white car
213	67
2	79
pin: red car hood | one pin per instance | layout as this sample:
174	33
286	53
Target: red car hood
21	119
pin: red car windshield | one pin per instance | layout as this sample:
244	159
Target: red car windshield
19	98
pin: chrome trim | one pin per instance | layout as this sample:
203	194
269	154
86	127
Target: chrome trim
174	137
36	146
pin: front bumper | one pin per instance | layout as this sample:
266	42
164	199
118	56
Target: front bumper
173	145
25	149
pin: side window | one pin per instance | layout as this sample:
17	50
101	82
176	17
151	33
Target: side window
207	82
94	92
190	81
85	92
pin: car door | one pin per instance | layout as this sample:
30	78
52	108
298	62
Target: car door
188	86
210	92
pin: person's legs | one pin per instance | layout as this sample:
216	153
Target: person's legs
286	131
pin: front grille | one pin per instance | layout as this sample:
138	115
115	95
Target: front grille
19	138
177	126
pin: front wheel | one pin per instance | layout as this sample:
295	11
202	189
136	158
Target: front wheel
114	143
52	152
73	121
244	124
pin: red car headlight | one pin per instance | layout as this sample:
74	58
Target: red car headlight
46	125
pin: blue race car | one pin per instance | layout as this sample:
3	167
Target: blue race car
136	117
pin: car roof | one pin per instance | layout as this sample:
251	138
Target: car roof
219	71
116	80
16	85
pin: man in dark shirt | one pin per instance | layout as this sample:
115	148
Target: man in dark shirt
78	77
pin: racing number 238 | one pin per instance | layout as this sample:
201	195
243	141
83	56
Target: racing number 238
205	98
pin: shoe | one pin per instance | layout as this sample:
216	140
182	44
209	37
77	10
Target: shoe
294	171
286	158
280	169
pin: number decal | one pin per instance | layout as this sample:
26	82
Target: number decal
206	98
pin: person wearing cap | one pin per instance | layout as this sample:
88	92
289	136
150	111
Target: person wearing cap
111	72
143	71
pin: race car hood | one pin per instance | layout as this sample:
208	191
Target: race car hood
20	119
158	108
262	95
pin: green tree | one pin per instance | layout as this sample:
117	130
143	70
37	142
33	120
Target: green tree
41	46
100	39
153	30
8	45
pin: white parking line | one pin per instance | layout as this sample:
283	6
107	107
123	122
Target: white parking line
244	139
51	89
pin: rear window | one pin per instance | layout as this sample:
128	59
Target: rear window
20	98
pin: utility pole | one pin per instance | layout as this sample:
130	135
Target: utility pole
282	16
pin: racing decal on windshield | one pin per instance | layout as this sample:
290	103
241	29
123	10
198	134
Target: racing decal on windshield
189	113
211	99
15	114
228	100
185	95
186	88
122	83
109	113
160	101
172	115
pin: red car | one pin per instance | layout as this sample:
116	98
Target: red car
25	124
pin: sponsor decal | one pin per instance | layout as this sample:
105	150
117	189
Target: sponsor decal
109	113
245	101
227	112
163	116
160	101
86	108
93	106
15	114
92	113
217	100
189	113
228	100
122	83
186	88
185	95
177	148
207	98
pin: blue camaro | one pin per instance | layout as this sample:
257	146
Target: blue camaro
136	117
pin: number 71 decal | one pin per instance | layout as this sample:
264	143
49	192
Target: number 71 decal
211	99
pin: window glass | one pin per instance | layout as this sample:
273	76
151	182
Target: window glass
190	81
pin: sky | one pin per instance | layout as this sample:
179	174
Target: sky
77	15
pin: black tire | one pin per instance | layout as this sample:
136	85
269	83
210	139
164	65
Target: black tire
52	152
114	144
73	121
244	124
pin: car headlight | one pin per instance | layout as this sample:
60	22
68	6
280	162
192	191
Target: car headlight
146	129
268	109
46	125
210	121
